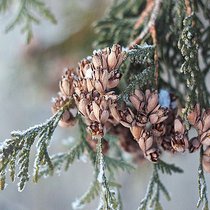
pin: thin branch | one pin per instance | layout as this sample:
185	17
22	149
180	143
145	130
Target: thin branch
147	10
149	25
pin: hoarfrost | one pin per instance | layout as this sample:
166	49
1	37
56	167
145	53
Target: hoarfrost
77	205
125	49
89	58
101	170
88	73
20	190
5	186
100	176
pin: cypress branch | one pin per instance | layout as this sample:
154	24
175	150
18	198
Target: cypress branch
202	184
92	192
152	197
114	164
18	149
107	197
168	168
62	160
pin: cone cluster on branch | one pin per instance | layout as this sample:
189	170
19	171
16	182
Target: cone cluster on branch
145	125
66	92
201	122
97	75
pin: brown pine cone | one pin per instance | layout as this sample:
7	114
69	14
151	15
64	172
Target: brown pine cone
180	138
67	119
166	144
66	84
146	143
194	115
194	144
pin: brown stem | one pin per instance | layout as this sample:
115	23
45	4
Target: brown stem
147	10
154	38
149	25
189	10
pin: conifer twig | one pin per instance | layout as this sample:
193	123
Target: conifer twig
202	184
188	8
19	147
149	25
147	10
152	197
107	198
25	14
154	38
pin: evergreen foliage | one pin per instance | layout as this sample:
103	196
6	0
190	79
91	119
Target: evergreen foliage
17	150
152	197
202	185
26	14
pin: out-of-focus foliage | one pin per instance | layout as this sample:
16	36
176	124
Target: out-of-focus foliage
26	15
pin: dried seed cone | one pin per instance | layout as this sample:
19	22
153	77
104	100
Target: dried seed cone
179	139
204	127
100	71
136	132
149	110
194	144
123	114
194	114
67	119
137	99
66	84
97	130
166	144
146	143
206	160
205	138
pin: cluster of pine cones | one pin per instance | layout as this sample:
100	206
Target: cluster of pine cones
143	125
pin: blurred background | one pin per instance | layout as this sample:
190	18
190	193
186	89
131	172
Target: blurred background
29	76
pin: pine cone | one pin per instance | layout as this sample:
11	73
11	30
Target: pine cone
123	114
166	144
146	143
66	84
194	144
179	139
67	119
193	115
